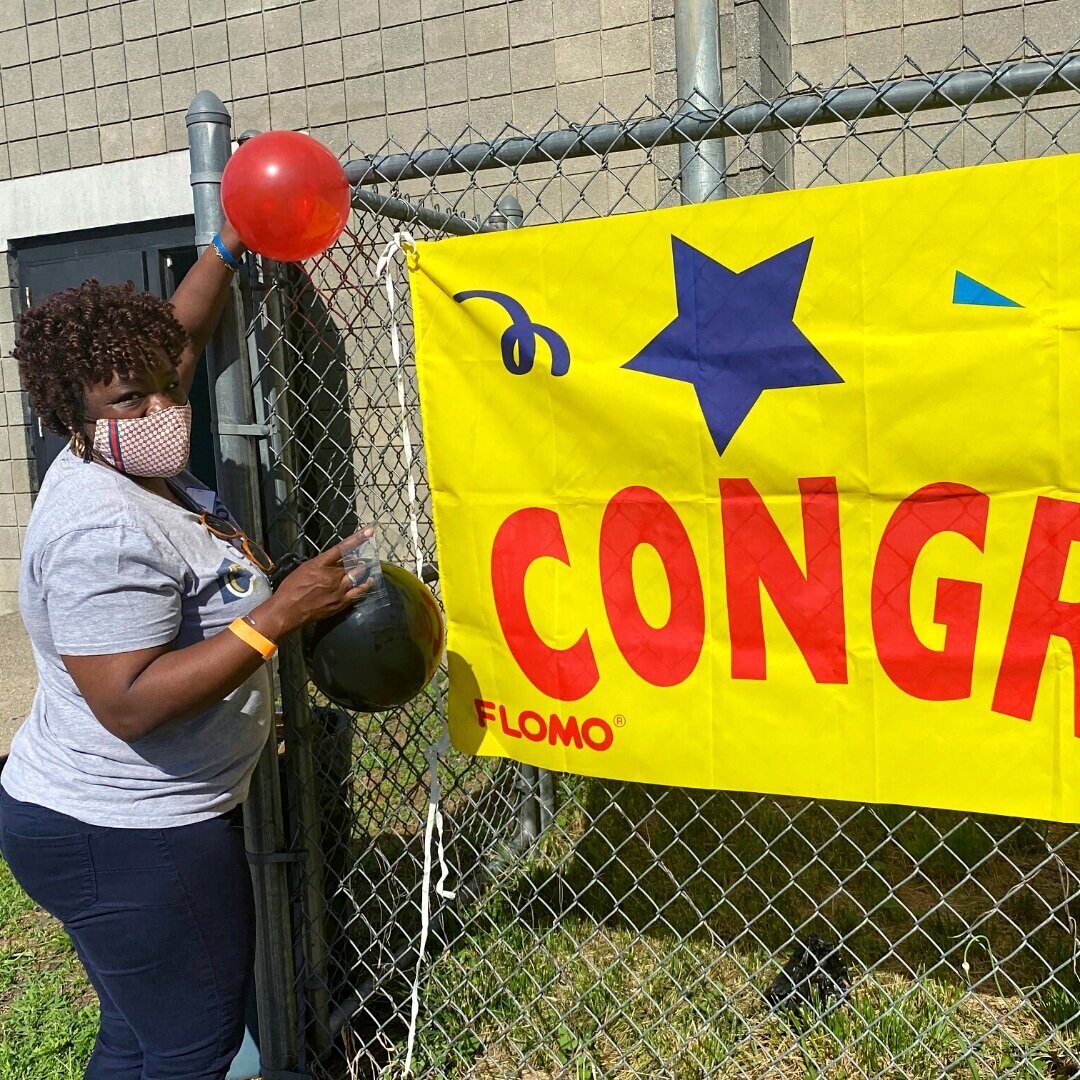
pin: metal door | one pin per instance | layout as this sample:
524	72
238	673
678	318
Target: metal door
154	256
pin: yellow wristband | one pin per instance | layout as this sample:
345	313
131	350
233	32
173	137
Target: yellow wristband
250	636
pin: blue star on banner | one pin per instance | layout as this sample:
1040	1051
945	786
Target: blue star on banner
734	336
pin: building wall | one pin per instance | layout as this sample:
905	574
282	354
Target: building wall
872	35
838	42
86	83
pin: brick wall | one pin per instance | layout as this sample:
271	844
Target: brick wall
829	37
871	35
87	81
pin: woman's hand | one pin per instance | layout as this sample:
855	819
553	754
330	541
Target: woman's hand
315	590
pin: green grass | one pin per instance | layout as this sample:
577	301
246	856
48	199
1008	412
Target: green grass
638	937
48	1011
604	1003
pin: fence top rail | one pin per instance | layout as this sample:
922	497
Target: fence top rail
691	124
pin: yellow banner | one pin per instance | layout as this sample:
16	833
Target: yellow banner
776	494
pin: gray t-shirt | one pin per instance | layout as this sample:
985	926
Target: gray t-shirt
108	567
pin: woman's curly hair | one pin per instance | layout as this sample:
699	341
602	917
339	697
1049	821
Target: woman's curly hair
87	335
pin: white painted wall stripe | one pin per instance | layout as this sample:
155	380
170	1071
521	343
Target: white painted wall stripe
94	197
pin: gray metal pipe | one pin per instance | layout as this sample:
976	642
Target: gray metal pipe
209	147
508	214
299	731
697	65
411	213
273	405
900	96
235	456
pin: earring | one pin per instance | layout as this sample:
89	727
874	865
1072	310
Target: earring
78	443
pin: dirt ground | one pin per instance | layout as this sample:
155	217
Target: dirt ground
18	678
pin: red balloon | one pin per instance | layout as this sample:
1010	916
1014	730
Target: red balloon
286	195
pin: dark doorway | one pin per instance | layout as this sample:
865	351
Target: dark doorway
155	256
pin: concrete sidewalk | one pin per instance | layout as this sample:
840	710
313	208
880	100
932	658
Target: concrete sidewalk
18	677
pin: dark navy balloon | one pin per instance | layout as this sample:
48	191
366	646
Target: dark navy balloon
380	653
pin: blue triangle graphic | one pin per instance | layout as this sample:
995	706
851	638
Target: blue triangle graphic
967	290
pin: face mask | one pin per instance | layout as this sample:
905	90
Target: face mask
154	445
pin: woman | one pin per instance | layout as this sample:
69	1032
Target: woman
152	621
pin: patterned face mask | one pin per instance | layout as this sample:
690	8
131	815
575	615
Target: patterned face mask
154	445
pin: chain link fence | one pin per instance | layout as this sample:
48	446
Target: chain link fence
603	929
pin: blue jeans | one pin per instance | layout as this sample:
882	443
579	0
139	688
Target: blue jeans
163	921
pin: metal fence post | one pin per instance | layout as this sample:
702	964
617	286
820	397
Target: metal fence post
697	65
302	776
301	783
533	784
236	459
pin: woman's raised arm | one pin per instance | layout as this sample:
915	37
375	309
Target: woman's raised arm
200	299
